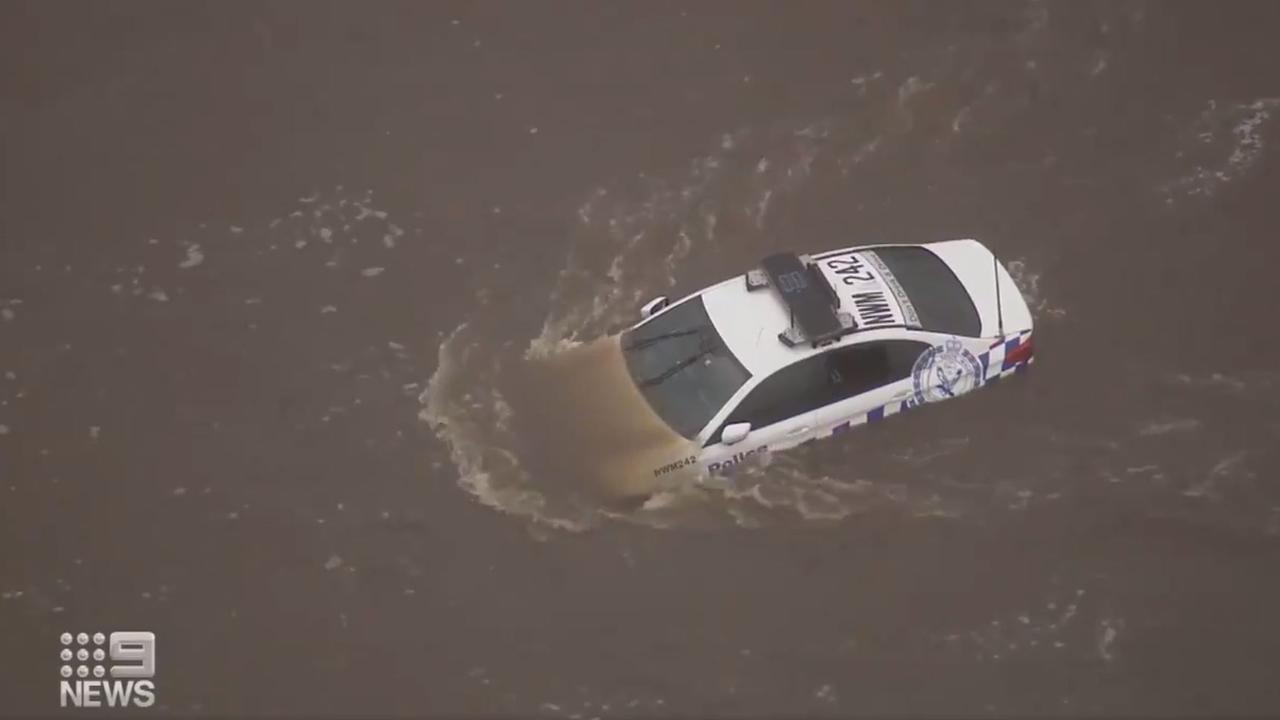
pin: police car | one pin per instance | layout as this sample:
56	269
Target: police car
810	346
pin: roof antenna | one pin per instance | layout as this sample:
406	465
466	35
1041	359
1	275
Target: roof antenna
995	269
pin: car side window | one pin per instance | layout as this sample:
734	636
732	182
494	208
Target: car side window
861	368
824	379
795	389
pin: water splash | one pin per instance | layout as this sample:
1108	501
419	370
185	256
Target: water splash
1224	143
1028	281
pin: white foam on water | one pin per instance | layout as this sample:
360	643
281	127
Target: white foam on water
1037	21
7	312
1049	631
1164	427
1242	384
1248	140
332	217
194	257
861	154
1108	630
1227	468
928	450
1028	282
762	206
474	429
911	87
611	261
1223	144
1099	63
861	81
544	347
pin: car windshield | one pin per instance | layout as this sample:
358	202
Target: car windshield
682	366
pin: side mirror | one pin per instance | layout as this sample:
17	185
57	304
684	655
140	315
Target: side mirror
653	306
735	433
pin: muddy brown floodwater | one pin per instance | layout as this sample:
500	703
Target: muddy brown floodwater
273	277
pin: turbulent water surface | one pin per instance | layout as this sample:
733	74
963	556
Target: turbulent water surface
293	298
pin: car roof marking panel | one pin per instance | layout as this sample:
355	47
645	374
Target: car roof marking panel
810	304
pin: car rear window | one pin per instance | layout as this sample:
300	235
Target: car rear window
940	301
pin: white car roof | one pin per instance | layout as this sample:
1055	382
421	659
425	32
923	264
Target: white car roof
749	321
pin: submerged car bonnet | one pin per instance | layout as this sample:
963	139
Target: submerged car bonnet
601	429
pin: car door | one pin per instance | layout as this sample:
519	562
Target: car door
780	409
867	381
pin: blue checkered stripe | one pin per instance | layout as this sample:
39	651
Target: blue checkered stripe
994	367
995	364
875	415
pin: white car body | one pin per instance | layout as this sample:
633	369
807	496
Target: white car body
884	328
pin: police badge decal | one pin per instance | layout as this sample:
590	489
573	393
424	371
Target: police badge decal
945	371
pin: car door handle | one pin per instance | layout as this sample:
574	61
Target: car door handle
799	430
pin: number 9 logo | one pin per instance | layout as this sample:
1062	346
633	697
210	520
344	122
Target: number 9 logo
138	650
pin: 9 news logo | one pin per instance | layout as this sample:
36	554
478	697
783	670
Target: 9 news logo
133	655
